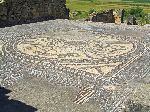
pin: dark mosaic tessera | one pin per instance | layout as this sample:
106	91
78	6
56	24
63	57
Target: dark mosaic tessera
74	66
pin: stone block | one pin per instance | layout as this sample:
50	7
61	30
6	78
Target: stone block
131	20
106	17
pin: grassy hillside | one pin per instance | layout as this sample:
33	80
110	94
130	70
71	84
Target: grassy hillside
85	6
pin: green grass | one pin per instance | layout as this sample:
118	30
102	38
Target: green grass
99	5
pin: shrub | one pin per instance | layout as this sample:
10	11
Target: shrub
78	15
91	11
139	14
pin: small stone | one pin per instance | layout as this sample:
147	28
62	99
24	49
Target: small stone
109	87
131	20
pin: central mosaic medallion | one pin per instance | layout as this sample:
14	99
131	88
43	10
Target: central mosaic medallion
98	56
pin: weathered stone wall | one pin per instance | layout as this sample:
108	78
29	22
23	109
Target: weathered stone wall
26	11
110	16
106	17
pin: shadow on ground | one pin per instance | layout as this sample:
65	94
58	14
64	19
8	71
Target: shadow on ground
10	105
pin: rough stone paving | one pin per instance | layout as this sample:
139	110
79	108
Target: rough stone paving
102	60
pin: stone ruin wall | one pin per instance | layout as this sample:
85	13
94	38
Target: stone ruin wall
25	11
109	16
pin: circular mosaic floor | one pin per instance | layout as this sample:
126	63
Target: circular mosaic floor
100	65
